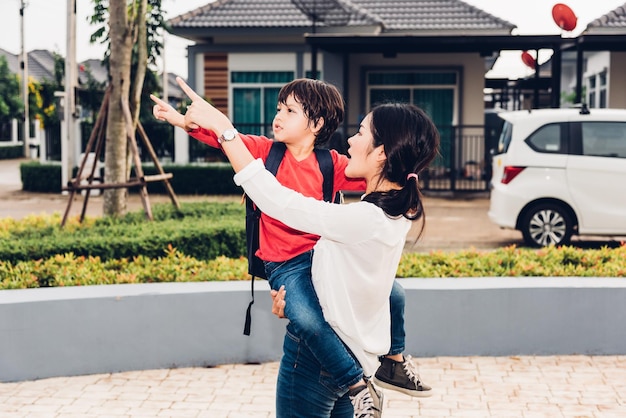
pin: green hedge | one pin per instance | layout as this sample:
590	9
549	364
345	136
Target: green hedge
174	266
40	178
209	179
201	230
206	241
10	152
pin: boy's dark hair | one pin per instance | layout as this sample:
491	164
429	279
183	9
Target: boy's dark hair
319	100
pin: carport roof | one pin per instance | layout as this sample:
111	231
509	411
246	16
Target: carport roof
404	43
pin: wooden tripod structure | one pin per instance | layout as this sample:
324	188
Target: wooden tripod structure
96	142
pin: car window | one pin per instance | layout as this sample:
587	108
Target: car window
546	139
604	139
505	138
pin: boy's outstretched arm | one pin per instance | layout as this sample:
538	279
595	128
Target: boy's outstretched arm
164	111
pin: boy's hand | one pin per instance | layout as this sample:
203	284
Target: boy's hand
164	111
278	302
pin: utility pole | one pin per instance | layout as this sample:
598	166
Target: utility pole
24	68
165	77
68	140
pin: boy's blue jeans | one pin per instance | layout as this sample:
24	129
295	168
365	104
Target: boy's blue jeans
308	325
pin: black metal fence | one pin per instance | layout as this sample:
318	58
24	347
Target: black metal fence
463	163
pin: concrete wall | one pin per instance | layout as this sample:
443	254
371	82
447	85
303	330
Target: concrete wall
101	329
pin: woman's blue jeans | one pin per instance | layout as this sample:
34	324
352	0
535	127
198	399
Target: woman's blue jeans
304	389
307	321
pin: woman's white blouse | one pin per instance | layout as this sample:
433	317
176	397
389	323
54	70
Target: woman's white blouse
354	262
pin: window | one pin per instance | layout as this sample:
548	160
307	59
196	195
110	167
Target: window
547	139
592	91
592	99
602	89
255	95
505	138
435	92
604	139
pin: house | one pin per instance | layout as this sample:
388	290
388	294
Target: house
603	47
433	54
41	65
592	68
40	68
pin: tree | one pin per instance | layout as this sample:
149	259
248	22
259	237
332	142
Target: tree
127	35
47	109
11	106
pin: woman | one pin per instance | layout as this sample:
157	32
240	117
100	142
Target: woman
355	261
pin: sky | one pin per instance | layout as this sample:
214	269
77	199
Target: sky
45	27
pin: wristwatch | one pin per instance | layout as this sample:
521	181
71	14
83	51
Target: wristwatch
228	135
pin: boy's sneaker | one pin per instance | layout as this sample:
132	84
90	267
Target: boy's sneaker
367	401
402	377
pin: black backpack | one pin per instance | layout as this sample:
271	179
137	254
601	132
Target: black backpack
256	268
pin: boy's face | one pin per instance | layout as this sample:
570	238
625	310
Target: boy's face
291	125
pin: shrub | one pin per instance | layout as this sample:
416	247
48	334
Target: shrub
207	179
9	152
174	266
201	230
206	241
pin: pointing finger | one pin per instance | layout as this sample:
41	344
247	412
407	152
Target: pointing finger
158	101
188	90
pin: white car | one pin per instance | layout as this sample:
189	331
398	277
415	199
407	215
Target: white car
560	172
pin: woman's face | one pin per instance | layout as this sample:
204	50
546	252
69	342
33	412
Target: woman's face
363	161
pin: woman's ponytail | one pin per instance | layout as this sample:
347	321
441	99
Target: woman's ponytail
410	141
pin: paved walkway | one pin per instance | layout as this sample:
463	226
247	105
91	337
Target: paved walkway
503	387
525	386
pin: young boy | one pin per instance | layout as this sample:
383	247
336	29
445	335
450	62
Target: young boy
308	113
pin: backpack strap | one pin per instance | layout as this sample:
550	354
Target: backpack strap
325	162
274	158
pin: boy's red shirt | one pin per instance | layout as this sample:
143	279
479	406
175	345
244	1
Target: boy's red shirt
278	242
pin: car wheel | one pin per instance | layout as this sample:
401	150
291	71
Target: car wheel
547	224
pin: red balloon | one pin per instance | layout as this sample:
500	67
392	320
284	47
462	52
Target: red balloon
564	17
528	59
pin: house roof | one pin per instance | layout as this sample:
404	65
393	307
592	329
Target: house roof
614	22
12	61
606	33
40	64
96	68
371	16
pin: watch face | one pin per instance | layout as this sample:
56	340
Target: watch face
229	134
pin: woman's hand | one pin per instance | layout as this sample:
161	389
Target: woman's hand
278	302
202	113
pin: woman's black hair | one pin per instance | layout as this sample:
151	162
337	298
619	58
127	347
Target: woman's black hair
411	141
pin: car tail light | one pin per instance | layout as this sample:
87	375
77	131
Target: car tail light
510	173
